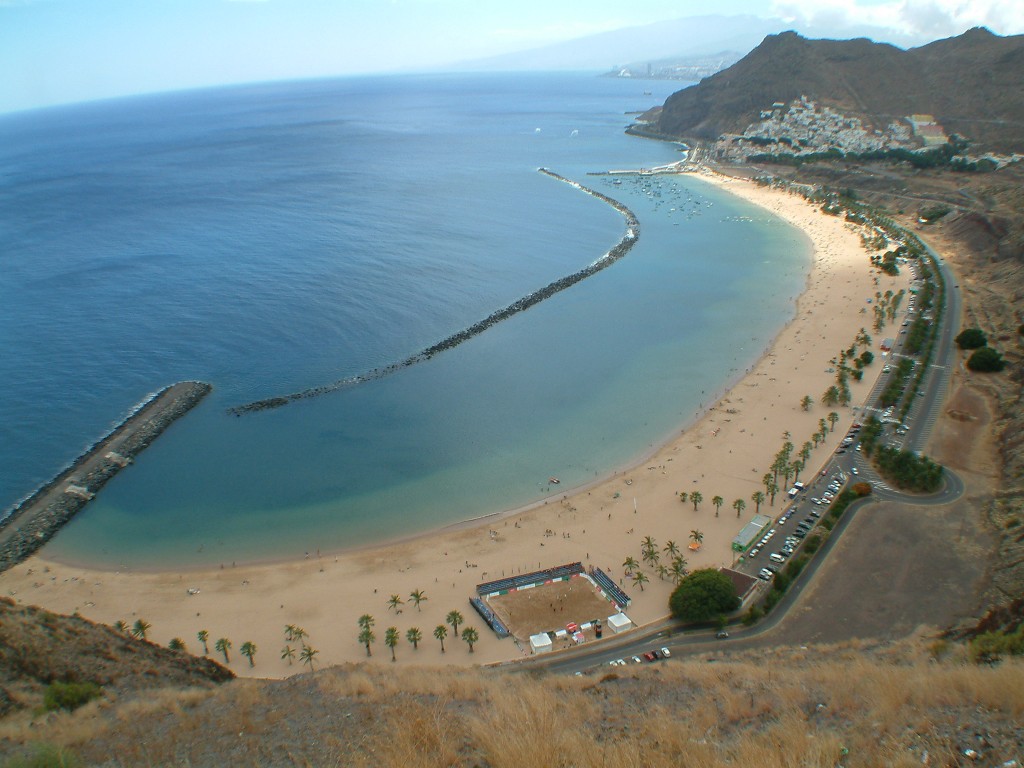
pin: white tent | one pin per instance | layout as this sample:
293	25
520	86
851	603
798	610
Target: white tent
619	622
540	643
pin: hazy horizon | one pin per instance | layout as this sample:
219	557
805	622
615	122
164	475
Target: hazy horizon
65	52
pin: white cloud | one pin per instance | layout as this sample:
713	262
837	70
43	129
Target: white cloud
925	19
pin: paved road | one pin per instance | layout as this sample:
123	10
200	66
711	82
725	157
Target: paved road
920	420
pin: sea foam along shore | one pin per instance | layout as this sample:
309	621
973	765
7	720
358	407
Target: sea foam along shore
725	452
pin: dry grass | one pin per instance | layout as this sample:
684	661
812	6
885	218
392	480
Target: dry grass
855	705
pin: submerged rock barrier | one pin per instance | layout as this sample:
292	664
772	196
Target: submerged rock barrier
630	237
28	525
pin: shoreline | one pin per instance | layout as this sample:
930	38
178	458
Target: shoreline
33	521
724	449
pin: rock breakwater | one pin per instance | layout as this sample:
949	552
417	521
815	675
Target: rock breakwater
30	524
629	238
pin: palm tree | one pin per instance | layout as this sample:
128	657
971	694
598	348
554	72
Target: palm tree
805	452
648	543
441	632
366	621
718	501
683	497
798	467
671	548
202	635
393	602
696	497
758	499
289	632
739	505
299	635
806	402
417	596
367	636
140	628
391	639
223	645
288	654
697	537
639	579
176	644
630	564
122	626
662	570
678	569
307	655
413	635
454	618
831	396
833	417
470	636
248	650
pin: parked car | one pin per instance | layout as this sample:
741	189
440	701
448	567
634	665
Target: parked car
649	656
723	635
777	558
665	652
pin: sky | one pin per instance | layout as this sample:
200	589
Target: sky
60	51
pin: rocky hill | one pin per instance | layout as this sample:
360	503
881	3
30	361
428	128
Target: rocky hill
38	648
970	83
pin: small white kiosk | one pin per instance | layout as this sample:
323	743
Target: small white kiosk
619	622
540	643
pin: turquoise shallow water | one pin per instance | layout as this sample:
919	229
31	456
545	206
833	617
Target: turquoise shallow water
269	239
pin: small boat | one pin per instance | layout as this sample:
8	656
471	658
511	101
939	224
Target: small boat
554	480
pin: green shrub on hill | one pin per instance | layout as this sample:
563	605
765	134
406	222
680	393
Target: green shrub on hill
971	338
986	360
70	696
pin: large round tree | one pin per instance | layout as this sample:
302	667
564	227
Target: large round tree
703	595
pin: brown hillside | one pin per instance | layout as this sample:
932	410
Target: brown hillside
824	706
970	83
38	647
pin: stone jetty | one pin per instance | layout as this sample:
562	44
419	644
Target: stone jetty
30	524
630	237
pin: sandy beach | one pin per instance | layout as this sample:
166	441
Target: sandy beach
725	453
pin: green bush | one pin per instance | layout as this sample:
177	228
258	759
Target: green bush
992	646
971	338
703	595
70	696
986	360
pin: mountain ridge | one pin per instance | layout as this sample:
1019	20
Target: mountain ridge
970	83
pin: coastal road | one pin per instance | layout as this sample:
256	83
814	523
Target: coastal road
922	417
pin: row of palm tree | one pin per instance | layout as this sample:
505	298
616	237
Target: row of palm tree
140	630
413	635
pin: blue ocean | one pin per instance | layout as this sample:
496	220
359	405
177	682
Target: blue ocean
272	238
